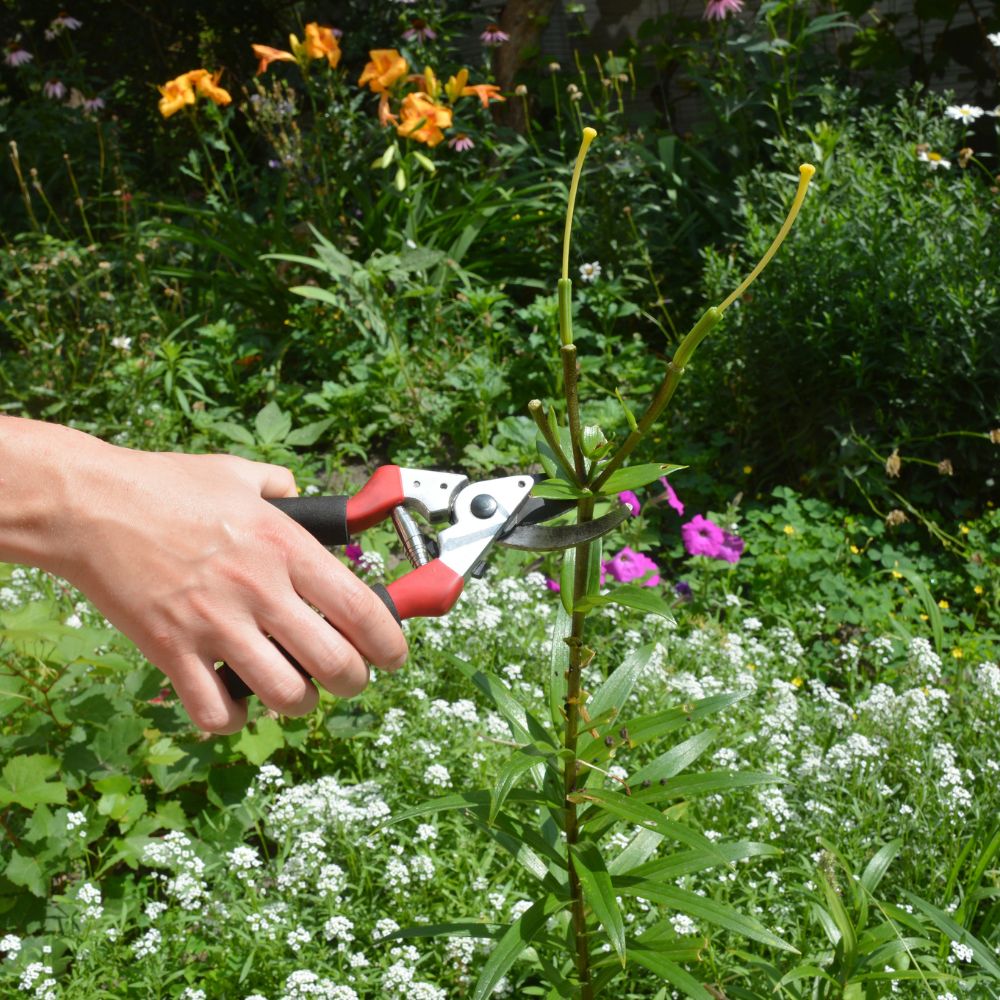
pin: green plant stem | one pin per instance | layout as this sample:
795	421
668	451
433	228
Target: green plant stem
675	369
537	412
571	388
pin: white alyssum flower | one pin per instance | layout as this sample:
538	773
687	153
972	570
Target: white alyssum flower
37	977
341	930
960	953
190	993
519	908
297	938
426	833
90	898
438	776
304	985
148	944
76	821
963	112
243	861
154	909
683	925
383	928
590	272
11	944
121	343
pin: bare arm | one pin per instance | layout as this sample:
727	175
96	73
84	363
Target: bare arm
183	554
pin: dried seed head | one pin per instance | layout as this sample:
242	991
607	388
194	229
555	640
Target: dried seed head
893	464
995	435
964	155
945	467
895	518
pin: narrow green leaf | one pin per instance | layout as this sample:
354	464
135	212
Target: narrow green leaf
518	936
317	294
557	489
463	800
523	759
638	598
700	908
845	926
624	807
629	416
614	692
954	932
688	862
558	666
676	759
806	972
635	852
567	576
635	476
459	928
670	971
879	865
600	895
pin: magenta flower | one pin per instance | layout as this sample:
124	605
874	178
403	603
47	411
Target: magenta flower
493	36
629	565
731	548
17	57
460	143
553	585
672	498
719	10
419	31
628	497
353	552
683	590
702	537
55	89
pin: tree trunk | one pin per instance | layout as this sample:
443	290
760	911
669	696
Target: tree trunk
523	21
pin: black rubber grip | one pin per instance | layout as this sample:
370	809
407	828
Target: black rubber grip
323	517
239	689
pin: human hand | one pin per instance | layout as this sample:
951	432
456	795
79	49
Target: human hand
184	555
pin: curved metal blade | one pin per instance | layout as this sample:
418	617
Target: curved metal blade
540	538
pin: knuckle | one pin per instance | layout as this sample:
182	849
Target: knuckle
214	719
343	673
289	694
359	604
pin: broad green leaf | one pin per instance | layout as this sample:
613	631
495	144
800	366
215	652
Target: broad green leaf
676	759
235	432
24	781
558	489
272	424
27	872
879	865
308	434
670	971
599	894
264	740
630	595
315	293
955	932
164	751
637	475
701	908
517	937
624	807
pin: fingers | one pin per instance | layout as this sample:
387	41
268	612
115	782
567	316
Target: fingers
321	649
269	674
350	606
205	697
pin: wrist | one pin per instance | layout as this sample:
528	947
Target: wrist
45	470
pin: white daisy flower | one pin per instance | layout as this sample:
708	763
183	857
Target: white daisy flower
933	160
994	39
963	112
590	272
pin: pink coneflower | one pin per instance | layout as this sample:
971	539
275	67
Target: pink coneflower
93	103
461	143
419	31
719	10
628	497
65	22
17	56
672	499
55	89
493	36
702	537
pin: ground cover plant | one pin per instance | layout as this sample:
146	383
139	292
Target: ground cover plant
767	763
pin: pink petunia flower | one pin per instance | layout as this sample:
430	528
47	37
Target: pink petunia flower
672	499
731	548
353	552
628	497
552	585
702	537
493	36
55	89
17	57
629	565
719	10
460	143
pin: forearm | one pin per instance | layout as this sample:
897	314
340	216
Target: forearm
42	469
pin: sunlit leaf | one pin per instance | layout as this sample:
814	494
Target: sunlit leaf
955	932
600	895
637	475
670	971
630	595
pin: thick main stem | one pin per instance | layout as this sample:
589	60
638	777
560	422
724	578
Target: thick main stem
573	694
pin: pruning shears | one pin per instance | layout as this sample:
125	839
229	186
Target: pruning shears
479	515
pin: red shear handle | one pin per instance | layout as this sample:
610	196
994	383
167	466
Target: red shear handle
376	499
428	591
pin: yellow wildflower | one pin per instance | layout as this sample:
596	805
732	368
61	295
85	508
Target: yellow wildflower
897	575
747	469
789	530
855	550
923	618
964	528
977	589
797	682
957	653
943	604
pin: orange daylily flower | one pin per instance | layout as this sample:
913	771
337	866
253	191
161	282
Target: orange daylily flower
486	92
385	116
321	43
207	84
385	68
456	84
177	93
267	55
423	119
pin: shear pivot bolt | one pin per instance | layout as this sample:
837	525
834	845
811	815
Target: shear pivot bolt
483	506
